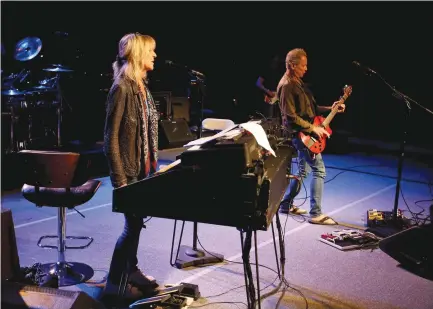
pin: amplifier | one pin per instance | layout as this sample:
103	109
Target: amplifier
181	108
162	101
10	263
174	133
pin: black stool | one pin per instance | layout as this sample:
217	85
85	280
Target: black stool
59	179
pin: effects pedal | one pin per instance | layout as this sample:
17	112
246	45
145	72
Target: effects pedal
381	218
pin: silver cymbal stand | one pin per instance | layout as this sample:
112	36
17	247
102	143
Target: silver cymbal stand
58	69
59	110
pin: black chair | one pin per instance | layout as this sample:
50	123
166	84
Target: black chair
59	179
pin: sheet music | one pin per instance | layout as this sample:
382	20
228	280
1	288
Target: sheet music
204	140
232	133
260	135
253	127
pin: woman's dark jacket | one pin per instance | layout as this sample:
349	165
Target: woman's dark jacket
130	138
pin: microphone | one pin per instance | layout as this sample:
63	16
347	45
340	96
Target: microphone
181	66
363	67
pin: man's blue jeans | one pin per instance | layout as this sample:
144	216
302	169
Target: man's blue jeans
307	164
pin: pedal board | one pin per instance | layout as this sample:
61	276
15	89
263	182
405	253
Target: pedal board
174	297
349	239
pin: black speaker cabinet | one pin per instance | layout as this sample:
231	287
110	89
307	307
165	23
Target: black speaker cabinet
19	296
163	103
174	133
412	248
10	263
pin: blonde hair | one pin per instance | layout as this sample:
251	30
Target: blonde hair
130	58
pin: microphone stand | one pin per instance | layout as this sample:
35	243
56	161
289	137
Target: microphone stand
201	93
396	224
187	256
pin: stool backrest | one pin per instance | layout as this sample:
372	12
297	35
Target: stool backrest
51	169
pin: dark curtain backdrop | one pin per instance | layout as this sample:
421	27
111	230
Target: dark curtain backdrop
229	42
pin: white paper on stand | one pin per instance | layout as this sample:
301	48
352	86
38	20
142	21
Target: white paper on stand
232	134
259	134
203	140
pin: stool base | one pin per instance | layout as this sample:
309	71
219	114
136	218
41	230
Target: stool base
68	273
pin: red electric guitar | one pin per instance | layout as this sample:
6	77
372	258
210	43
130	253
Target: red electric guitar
315	144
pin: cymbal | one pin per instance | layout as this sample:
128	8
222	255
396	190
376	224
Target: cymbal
28	48
13	92
43	88
58	68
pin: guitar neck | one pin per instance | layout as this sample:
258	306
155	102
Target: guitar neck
333	112
329	118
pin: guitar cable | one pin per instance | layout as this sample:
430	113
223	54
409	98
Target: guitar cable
418	217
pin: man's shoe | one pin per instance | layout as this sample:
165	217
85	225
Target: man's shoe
323	220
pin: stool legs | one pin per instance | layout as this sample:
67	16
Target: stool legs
68	273
61	232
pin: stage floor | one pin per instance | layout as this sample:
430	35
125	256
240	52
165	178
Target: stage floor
327	277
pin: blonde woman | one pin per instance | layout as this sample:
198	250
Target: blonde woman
131	148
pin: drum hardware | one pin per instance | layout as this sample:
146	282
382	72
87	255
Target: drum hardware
23	75
20	107
14	145
48	83
42	88
24	104
13	92
28	48
58	68
9	81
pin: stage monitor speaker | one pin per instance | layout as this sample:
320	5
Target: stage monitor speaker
181	108
9	252
163	103
412	249
174	133
20	296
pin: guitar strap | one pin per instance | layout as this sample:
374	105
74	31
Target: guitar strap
310	98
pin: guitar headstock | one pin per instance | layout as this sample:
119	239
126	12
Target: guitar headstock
347	90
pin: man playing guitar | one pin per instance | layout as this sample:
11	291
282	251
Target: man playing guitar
270	76
298	109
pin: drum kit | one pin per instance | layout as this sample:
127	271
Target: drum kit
21	102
